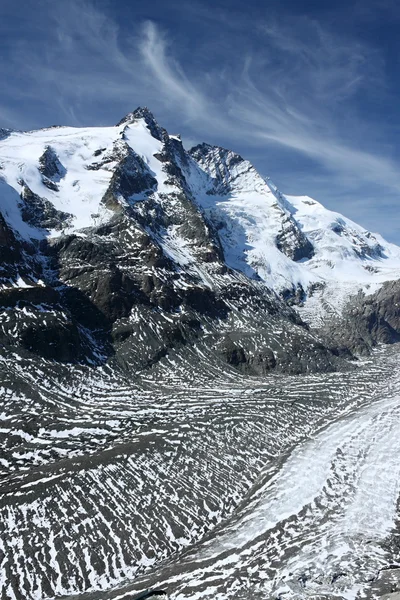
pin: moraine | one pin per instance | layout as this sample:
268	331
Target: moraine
261	488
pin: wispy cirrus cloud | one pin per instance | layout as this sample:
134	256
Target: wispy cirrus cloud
168	73
302	100
298	95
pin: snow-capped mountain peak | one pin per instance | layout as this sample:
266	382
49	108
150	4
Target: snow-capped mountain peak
147	116
286	240
61	180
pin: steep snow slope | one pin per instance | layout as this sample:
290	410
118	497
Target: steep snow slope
127	217
287	241
343	250
86	160
76	190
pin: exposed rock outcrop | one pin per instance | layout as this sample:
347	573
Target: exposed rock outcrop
369	320
173	249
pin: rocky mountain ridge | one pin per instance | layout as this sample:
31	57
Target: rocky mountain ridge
118	244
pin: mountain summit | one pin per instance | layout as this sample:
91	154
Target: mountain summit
117	244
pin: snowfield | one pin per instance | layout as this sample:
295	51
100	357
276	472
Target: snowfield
247	209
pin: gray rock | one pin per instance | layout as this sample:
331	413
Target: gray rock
369	320
40	212
131	176
50	165
292	241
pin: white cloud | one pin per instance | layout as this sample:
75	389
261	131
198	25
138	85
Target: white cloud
290	86
167	71
294	104
302	94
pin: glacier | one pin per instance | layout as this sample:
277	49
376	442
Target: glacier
199	380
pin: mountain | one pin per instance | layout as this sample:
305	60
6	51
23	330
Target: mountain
182	403
117	244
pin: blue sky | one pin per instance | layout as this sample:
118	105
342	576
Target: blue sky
308	91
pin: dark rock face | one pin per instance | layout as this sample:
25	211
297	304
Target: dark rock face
257	354
54	340
10	251
18	258
144	113
37	320
39	212
51	168
50	165
131	176
241	358
4	133
292	241
294	296
370	320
